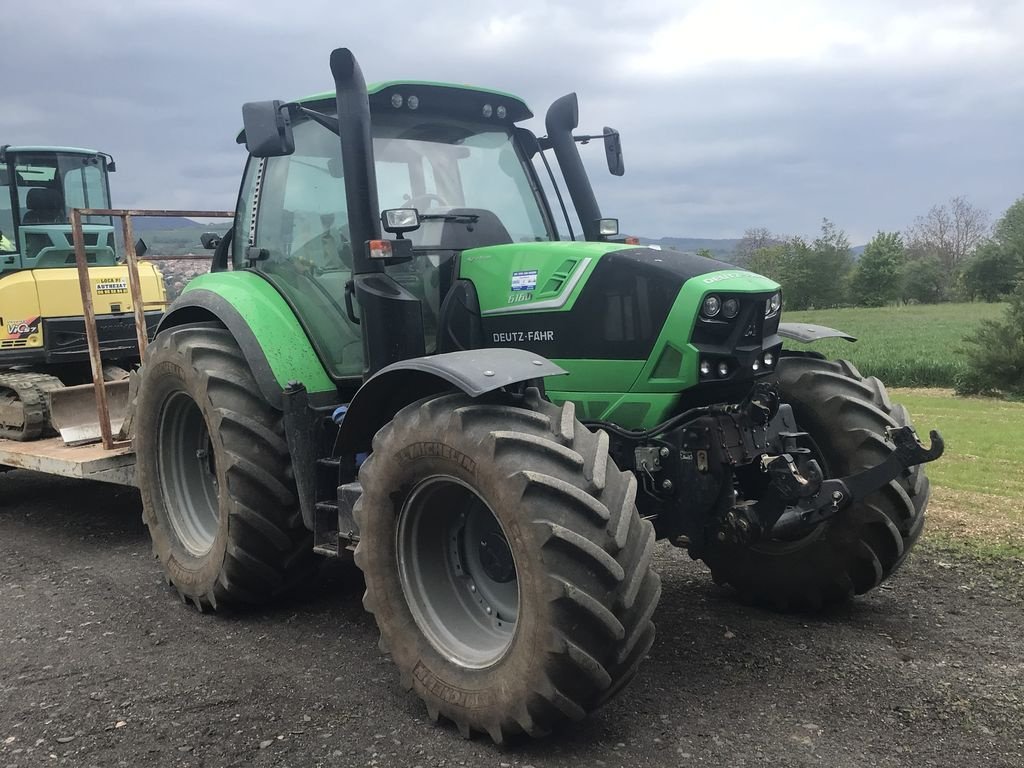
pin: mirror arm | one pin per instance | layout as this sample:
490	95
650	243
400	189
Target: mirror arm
327	121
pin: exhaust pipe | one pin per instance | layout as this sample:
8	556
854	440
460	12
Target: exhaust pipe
357	158
390	316
562	118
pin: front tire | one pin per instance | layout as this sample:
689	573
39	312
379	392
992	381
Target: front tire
215	473
506	566
846	416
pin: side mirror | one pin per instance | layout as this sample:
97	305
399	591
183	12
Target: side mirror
613	151
140	248
268	129
210	240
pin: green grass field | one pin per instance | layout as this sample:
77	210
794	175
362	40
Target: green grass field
978	485
908	346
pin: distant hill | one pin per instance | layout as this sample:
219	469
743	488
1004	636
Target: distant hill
150	223
720	248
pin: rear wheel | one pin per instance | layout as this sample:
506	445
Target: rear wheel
216	479
505	563
846	416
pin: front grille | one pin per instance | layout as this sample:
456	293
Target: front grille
13	343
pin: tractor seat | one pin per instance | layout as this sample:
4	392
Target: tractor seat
44	206
487	229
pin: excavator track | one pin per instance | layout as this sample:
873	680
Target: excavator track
24	414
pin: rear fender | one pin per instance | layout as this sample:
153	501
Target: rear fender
274	344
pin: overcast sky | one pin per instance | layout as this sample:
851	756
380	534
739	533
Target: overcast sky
733	114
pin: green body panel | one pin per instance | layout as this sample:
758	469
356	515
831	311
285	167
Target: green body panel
640	410
283	341
562	268
597	375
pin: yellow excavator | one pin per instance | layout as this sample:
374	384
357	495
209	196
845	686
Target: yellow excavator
42	330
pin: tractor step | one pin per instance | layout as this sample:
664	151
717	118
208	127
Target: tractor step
334	526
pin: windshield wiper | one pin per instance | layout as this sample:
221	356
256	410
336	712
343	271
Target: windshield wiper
470	218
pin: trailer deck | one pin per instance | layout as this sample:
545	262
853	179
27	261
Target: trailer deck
83	462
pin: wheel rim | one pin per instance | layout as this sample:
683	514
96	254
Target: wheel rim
457	572
188	474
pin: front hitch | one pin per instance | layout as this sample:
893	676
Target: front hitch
833	496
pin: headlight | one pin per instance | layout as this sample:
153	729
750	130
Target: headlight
773	305
712	306
730	308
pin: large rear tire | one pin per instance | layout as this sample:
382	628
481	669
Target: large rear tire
846	416
215	473
505	562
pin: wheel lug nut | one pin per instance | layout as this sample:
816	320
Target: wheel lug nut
488	609
472	587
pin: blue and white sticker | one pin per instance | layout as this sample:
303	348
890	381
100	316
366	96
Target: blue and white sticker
524	281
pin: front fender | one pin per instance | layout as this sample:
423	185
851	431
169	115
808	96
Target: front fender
475	372
805	333
265	327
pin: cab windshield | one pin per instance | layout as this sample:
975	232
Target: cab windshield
456	172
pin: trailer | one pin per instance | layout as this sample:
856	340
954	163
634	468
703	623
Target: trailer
95	446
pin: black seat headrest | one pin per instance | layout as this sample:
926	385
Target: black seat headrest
44	199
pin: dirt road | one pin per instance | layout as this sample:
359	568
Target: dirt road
100	666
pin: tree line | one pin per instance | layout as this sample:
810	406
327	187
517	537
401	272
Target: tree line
951	253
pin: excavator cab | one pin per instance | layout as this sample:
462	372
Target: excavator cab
43	344
38	188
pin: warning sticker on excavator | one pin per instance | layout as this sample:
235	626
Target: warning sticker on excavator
108	285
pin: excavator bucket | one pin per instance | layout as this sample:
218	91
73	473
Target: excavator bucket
73	411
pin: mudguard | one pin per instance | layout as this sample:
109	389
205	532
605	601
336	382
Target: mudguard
265	327
475	372
805	333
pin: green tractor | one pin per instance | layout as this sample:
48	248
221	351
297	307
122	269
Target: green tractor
498	423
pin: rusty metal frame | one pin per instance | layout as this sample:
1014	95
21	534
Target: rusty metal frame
135	287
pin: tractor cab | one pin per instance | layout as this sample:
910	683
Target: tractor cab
38	188
453	174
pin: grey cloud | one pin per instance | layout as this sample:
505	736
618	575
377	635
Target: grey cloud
710	150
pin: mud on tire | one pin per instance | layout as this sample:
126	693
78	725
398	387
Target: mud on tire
216	478
846	415
582	559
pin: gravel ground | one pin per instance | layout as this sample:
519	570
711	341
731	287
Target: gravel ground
101	666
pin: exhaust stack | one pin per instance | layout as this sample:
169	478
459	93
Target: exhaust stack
562	118
357	157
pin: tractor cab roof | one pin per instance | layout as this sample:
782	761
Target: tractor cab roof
423	96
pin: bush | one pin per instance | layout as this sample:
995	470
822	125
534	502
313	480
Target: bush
995	353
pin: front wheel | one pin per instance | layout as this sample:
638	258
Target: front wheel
846	416
215	473
506	566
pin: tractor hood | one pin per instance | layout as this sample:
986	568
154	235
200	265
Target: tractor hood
527	277
626	322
